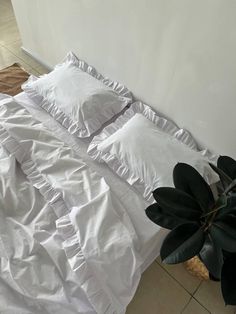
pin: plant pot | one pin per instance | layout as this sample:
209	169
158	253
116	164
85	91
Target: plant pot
196	268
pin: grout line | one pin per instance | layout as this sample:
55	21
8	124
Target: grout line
174	278
14	54
186	305
22	60
197	287
201	304
191	294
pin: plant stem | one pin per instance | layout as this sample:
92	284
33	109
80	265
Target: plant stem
211	212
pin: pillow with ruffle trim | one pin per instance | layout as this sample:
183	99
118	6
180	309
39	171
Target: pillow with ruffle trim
77	96
143	148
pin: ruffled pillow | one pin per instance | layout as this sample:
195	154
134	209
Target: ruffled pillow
143	148
77	96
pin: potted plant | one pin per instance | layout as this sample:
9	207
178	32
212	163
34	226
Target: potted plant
201	225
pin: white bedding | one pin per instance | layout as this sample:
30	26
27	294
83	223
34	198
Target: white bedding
35	276
77	96
149	165
41	276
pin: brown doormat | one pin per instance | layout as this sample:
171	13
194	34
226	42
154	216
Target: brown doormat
11	79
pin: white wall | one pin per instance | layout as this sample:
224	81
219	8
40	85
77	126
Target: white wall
177	55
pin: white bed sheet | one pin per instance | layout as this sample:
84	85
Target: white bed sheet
38	267
95	230
150	235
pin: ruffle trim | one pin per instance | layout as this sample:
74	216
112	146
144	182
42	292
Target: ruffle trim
82	65
90	126
120	167
71	244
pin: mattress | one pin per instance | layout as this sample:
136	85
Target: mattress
149	235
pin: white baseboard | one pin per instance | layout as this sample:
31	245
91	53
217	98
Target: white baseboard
37	58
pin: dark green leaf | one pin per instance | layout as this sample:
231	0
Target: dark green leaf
165	220
212	257
224	178
228	280
228	165
178	203
231	201
230	208
231	188
188	179
222	238
220	204
228	224
182	243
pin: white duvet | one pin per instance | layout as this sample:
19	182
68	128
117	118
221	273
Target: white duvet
67	245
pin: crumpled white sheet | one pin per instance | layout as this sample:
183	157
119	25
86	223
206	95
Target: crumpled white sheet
77	246
35	277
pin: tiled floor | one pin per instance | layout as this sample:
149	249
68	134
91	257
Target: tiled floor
10	42
166	289
163	289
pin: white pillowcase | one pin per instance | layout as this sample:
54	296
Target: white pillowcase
143	149
77	96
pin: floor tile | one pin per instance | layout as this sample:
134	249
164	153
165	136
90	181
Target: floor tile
6	57
209	295
158	293
195	308
7	3
8	27
6	14
10	42
9	32
189	282
15	48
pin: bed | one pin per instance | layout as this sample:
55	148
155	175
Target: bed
35	274
74	237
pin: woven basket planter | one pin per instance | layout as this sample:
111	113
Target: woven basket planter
196	268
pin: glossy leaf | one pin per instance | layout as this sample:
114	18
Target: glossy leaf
228	165
231	201
182	243
223	239
228	224
221	202
228	280
188	179
219	206
231	188
230	207
212	257
159	217
177	202
224	178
